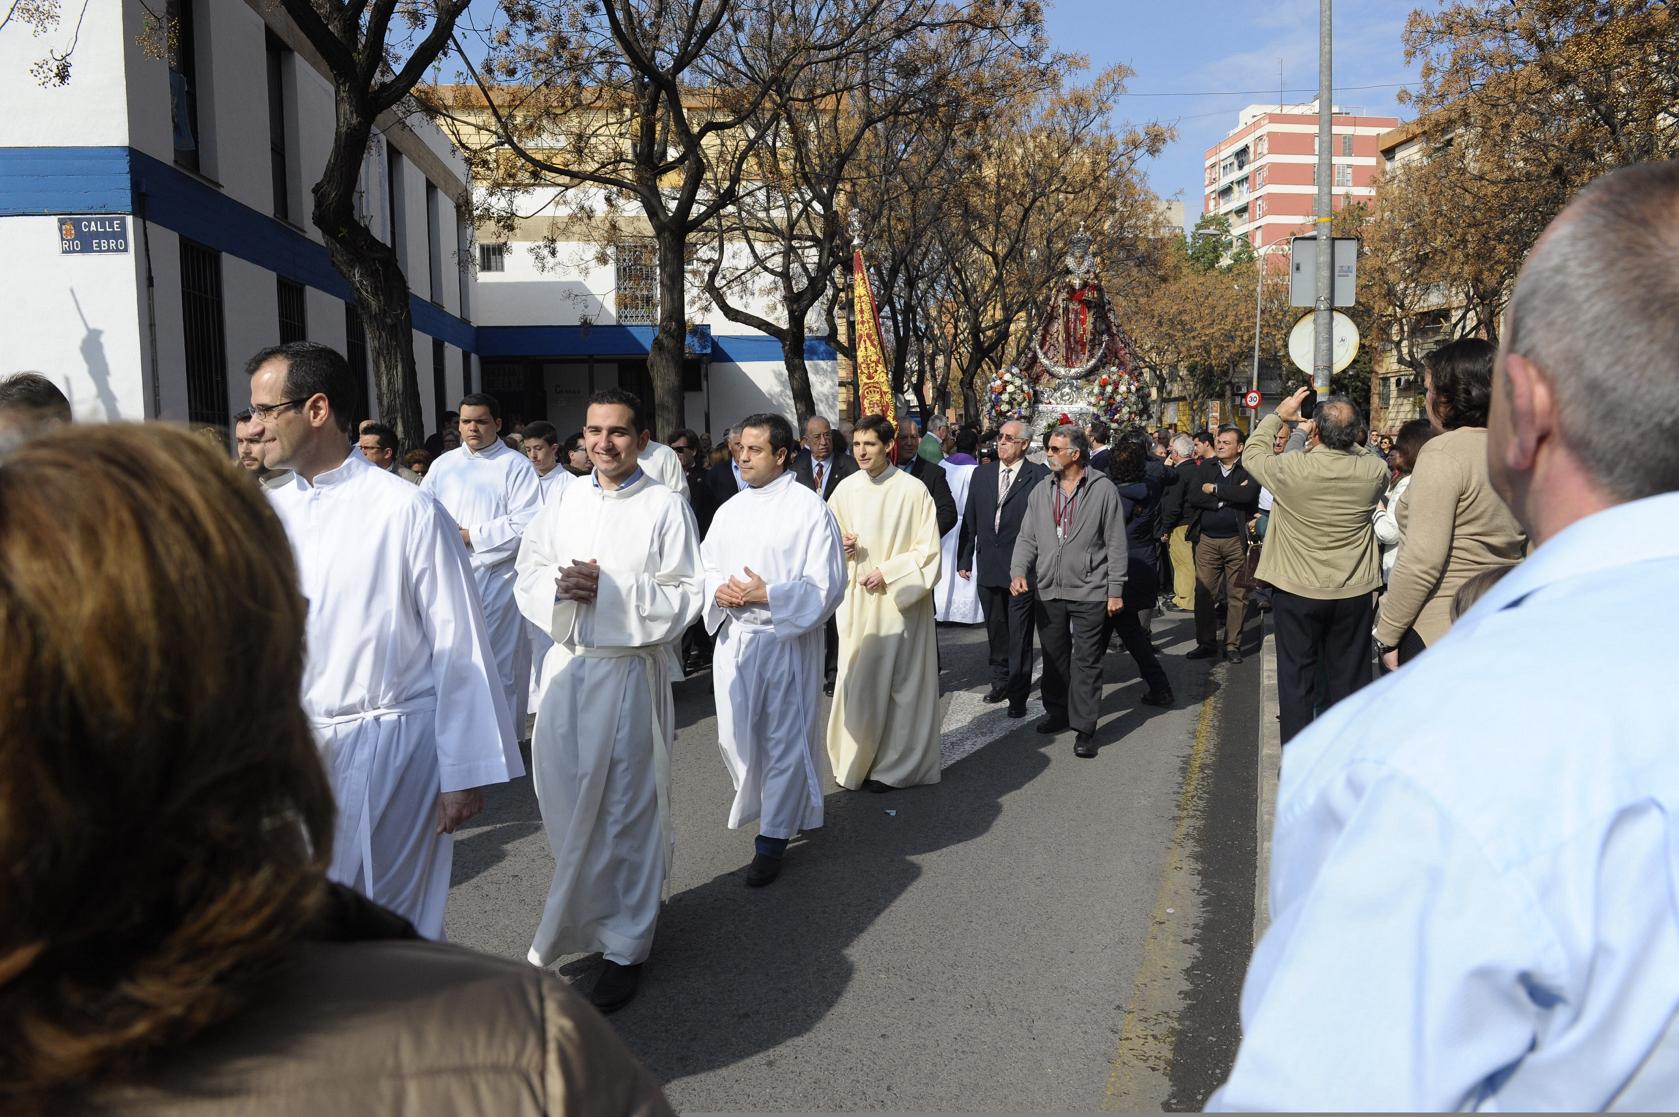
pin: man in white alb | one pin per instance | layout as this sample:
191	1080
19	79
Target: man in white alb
774	574
492	492
400	683
611	568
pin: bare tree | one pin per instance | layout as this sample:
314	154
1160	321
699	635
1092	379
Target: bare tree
375	51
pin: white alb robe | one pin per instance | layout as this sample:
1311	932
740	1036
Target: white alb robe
957	599
493	493
600	754
766	671
884	724
394	623
539	641
660	462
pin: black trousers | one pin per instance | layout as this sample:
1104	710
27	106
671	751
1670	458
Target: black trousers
1126	625
1008	638
1071	636
830	651
1313	635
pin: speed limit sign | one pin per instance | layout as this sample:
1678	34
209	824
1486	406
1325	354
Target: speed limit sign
1251	400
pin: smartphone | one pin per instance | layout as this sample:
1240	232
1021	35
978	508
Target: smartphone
1309	404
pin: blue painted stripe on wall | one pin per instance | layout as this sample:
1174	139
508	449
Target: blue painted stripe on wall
67	180
60	181
512	342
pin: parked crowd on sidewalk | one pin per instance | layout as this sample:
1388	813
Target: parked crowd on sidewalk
369	627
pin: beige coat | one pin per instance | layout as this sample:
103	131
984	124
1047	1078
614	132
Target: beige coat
1319	542
1454	526
408	1026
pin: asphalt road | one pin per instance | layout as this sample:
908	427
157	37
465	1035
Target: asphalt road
1035	932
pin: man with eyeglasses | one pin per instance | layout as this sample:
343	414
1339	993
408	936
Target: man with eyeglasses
997	498
1072	539
820	466
400	681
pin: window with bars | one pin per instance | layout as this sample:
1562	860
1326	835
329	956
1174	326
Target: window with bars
183	82
637	282
439	379
294	322
434	243
355	352
1347	146
204	330
278	171
1343	174
492	257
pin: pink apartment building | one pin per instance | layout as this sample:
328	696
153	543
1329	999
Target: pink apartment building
1262	175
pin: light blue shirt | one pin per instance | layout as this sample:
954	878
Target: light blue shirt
1475	869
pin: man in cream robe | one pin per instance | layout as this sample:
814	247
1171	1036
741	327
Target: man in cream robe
492	492
774	573
883	730
611	569
400	682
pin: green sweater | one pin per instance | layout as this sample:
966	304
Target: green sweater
1319	542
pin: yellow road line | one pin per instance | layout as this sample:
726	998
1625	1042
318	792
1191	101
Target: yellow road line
1142	1058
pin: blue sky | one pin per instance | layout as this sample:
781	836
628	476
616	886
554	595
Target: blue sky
1207	48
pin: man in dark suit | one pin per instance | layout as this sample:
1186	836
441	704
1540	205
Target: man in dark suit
820	458
722	480
821	466
928	473
989	527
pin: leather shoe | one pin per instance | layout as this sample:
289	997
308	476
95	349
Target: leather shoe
828	688
995	695
1017	711
1158	698
762	871
876	787
1051	725
1202	651
1233	655
1084	746
615	987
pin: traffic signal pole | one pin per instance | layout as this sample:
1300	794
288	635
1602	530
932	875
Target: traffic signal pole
1323	342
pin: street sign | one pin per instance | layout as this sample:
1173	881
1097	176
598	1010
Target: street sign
1303	272
1251	401
1344	342
92	236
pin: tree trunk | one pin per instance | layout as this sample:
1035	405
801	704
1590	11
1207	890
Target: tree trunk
370	265
670	344
798	374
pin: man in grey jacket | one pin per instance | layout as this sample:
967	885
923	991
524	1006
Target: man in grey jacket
1073	537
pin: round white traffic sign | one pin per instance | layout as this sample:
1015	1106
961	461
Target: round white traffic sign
1251	400
1344	342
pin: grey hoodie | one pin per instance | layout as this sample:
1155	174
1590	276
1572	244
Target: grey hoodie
1089	564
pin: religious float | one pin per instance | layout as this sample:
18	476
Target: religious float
1078	366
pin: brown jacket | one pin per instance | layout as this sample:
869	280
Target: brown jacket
1319	542
401	1026
1454	526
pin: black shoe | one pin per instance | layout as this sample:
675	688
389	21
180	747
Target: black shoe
1233	655
877	787
615	987
762	871
995	695
828	688
1051	725
1203	651
1158	698
1084	746
1017	711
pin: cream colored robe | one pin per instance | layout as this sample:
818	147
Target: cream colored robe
884	724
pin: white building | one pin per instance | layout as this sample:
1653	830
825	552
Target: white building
154	221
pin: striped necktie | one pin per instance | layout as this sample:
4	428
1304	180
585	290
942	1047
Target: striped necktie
1004	477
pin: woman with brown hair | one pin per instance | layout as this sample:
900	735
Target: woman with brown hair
169	940
1454	524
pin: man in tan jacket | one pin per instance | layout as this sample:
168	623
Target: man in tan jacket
1320	554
